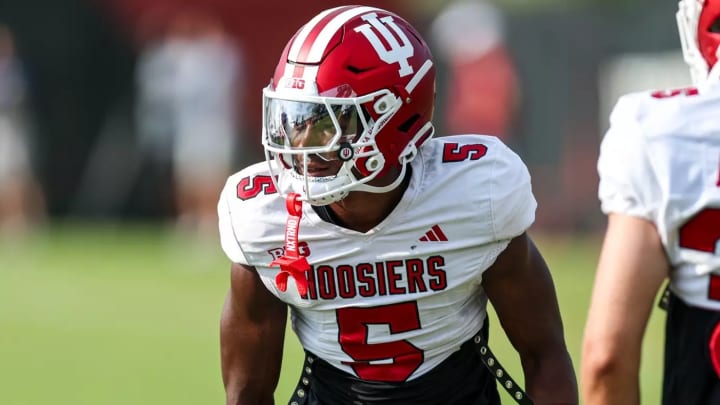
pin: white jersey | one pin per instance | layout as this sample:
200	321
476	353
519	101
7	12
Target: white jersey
391	303
660	160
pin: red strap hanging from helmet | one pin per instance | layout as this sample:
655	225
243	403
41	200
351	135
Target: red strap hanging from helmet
292	263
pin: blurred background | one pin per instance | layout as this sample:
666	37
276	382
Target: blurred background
121	119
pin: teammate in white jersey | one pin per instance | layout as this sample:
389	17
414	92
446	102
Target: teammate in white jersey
659	171
385	243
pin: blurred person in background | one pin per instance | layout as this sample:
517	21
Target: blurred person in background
349	224
188	78
21	199
482	91
659	169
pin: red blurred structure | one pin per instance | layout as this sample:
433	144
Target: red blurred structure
483	87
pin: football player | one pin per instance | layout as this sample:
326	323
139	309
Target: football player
659	168
384	243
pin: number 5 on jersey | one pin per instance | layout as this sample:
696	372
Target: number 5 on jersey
390	361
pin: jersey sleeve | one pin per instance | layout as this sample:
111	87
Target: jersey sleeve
625	172
228	241
513	202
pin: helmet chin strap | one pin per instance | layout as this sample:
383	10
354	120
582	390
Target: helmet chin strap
384	189
339	195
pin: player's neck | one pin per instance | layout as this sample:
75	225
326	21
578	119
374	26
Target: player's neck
362	211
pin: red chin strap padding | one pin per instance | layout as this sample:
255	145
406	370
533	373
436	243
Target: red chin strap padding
292	263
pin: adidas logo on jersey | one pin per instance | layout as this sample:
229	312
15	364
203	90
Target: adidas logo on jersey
435	234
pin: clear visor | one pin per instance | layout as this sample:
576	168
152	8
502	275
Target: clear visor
307	126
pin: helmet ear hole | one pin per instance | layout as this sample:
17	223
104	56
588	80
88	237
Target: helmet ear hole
383	104
374	163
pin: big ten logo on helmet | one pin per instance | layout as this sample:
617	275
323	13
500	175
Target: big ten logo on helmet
278	252
397	52
294	83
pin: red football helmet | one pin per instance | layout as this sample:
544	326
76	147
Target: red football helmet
699	26
355	86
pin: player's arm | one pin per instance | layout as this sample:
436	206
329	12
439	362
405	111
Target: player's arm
521	290
630	271
252	332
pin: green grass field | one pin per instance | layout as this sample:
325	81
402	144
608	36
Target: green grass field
107	315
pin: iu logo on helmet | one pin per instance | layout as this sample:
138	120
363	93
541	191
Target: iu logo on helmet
397	52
